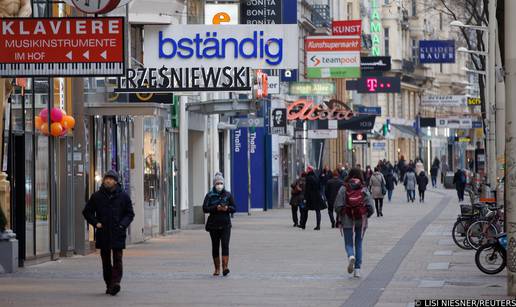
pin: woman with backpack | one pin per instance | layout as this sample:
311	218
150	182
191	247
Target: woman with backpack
378	190
410	184
422	182
353	206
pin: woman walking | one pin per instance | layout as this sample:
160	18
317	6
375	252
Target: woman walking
219	203
332	189
313	198
422	182
390	182
297	197
410	184
378	190
353	206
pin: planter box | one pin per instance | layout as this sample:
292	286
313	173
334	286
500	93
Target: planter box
8	256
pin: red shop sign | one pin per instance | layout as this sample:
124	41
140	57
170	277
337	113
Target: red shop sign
307	110
54	46
346	27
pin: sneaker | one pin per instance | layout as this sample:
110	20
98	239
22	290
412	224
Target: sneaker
351	264
356	273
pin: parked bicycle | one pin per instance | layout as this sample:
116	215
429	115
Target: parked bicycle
485	230
491	258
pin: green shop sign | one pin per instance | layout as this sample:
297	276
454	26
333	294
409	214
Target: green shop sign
376	28
312	89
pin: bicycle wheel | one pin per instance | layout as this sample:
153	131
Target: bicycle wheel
490	258
459	234
480	233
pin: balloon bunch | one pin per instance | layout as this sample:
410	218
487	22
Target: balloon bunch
60	123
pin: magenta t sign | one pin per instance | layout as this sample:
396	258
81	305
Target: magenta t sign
374	85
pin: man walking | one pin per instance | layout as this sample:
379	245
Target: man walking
459	179
110	212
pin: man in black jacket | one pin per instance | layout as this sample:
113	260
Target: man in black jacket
332	189
110	212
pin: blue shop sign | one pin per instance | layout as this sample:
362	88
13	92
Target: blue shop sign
437	51
477	124
369	110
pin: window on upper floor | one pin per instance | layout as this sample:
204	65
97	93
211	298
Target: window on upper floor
414	7
440	21
350	10
386	40
414	50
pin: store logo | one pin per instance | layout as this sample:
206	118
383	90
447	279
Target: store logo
207	46
221	17
315	60
373	84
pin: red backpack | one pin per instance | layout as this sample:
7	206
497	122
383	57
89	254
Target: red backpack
355	201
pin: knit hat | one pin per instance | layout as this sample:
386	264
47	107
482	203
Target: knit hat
218	178
111	173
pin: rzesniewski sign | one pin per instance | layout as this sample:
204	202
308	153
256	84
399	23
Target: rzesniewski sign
258	47
49	46
169	79
332	57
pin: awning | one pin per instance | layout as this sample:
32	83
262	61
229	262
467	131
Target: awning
403	131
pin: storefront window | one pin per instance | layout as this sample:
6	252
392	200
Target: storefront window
42	200
152	176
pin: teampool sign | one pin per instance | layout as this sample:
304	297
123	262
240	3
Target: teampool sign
254	46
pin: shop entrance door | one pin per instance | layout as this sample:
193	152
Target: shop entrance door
17	171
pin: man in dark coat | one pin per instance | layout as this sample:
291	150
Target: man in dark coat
313	198
459	179
110	212
332	189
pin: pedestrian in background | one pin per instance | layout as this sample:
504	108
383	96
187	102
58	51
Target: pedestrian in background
410	184
297	197
110	212
367	175
313	199
332	189
444	170
434	170
378	190
419	166
422	182
219	203
353	206
390	183
459	179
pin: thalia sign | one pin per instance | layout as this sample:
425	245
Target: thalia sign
258	47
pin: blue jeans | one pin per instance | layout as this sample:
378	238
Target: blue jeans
389	194
434	181
411	195
348	243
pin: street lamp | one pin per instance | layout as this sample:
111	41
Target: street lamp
464	50
479	72
458	23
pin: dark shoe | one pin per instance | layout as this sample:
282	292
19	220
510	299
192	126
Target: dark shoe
317	228
302	227
295	225
225	262
108	290
381	213
225	272
115	289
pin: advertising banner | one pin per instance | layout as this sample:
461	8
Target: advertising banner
369	110
61	46
239	178
312	89
444	100
436	51
375	63
257	150
255	46
279	121
346	27
215	14
260	12
332	57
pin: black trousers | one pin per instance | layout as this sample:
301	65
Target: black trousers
422	194
295	219
378	203
220	237
304	217
460	194
330	214
112	271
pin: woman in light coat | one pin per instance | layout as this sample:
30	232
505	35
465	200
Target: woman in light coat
410	181
377	188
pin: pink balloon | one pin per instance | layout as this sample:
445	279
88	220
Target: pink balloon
44	114
56	115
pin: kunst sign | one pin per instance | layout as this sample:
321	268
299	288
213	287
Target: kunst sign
307	110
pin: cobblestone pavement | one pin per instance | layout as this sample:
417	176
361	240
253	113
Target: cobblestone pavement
408	254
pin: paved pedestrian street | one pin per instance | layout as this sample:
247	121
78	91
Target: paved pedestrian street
408	254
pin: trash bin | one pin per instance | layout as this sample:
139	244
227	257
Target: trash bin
448	180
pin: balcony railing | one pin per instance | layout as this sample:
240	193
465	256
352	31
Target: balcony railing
321	15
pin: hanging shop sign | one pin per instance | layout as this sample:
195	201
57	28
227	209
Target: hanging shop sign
463	139
373	85
260	11
359	138
221	14
378	145
196	79
274	84
288	75
312	89
332	57
476	124
474	101
375	63
375	28
61	46
322	134
346	27
437	51
96	6
444	100
258	47
355	123
369	110
248	122
307	110
279	121
454	123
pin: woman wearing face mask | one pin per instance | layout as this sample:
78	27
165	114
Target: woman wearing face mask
219	203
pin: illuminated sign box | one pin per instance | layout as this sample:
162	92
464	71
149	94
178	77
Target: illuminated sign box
359	138
346	27
437	51
474	101
312	89
373	85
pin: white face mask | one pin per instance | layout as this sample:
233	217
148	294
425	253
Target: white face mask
219	187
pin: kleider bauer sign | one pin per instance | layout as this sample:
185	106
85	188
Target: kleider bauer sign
171	79
61	46
346	27
255	46
332	57
435	51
